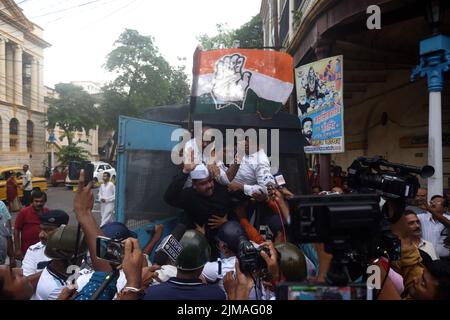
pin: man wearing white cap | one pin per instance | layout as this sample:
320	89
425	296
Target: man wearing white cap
207	204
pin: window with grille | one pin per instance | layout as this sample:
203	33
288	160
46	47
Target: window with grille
30	134
13	134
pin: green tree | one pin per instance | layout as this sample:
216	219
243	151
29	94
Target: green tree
143	79
73	110
249	35
71	152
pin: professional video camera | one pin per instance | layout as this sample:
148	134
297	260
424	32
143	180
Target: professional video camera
353	227
394	182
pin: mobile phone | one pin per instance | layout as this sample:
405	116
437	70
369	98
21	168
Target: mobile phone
76	166
110	250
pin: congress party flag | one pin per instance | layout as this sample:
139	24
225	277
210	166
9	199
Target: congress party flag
241	81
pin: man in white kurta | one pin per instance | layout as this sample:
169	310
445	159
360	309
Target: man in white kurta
107	196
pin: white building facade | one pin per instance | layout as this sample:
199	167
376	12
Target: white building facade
22	109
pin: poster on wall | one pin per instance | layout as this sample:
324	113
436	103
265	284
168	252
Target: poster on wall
320	105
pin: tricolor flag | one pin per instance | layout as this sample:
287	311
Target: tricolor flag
241	81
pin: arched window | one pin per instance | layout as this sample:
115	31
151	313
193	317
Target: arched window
14	134
30	134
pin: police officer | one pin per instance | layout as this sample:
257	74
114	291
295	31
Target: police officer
292	262
65	247
187	285
35	260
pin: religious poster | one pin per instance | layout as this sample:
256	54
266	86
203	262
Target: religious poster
320	105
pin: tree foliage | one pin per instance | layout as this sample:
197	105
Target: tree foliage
143	79
249	35
72	110
71	152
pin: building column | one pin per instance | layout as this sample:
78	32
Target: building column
2	69
434	61
40	85
9	74
18	70
291	19
34	83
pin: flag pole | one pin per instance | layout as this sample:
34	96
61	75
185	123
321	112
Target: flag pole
195	74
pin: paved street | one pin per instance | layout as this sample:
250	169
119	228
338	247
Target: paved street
62	198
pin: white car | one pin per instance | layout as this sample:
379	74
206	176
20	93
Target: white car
99	169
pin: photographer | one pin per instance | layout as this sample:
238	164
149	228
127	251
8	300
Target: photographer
228	238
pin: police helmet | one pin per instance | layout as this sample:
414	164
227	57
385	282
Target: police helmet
61	244
195	253
292	261
231	233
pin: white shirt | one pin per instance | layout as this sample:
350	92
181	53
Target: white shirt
254	173
49	287
108	192
25	178
431	231
428	248
35	255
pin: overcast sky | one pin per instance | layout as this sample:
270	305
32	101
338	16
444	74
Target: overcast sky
82	32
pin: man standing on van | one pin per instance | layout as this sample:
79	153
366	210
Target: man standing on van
107	196
27	185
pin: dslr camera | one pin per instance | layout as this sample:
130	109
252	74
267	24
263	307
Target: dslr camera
250	260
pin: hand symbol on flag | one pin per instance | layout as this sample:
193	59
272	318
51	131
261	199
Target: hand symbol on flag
230	84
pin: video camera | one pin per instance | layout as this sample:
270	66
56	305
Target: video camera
353	227
250	260
398	182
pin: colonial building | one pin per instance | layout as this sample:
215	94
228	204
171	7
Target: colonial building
385	112
22	110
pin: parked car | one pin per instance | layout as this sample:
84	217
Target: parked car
38	182
59	175
99	169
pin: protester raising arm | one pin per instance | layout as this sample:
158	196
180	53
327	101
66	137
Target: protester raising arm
175	194
83	203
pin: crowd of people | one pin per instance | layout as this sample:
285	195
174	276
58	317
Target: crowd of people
234	239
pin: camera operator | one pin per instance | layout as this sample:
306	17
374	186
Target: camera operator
434	222
228	239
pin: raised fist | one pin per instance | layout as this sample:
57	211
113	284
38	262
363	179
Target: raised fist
230	84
